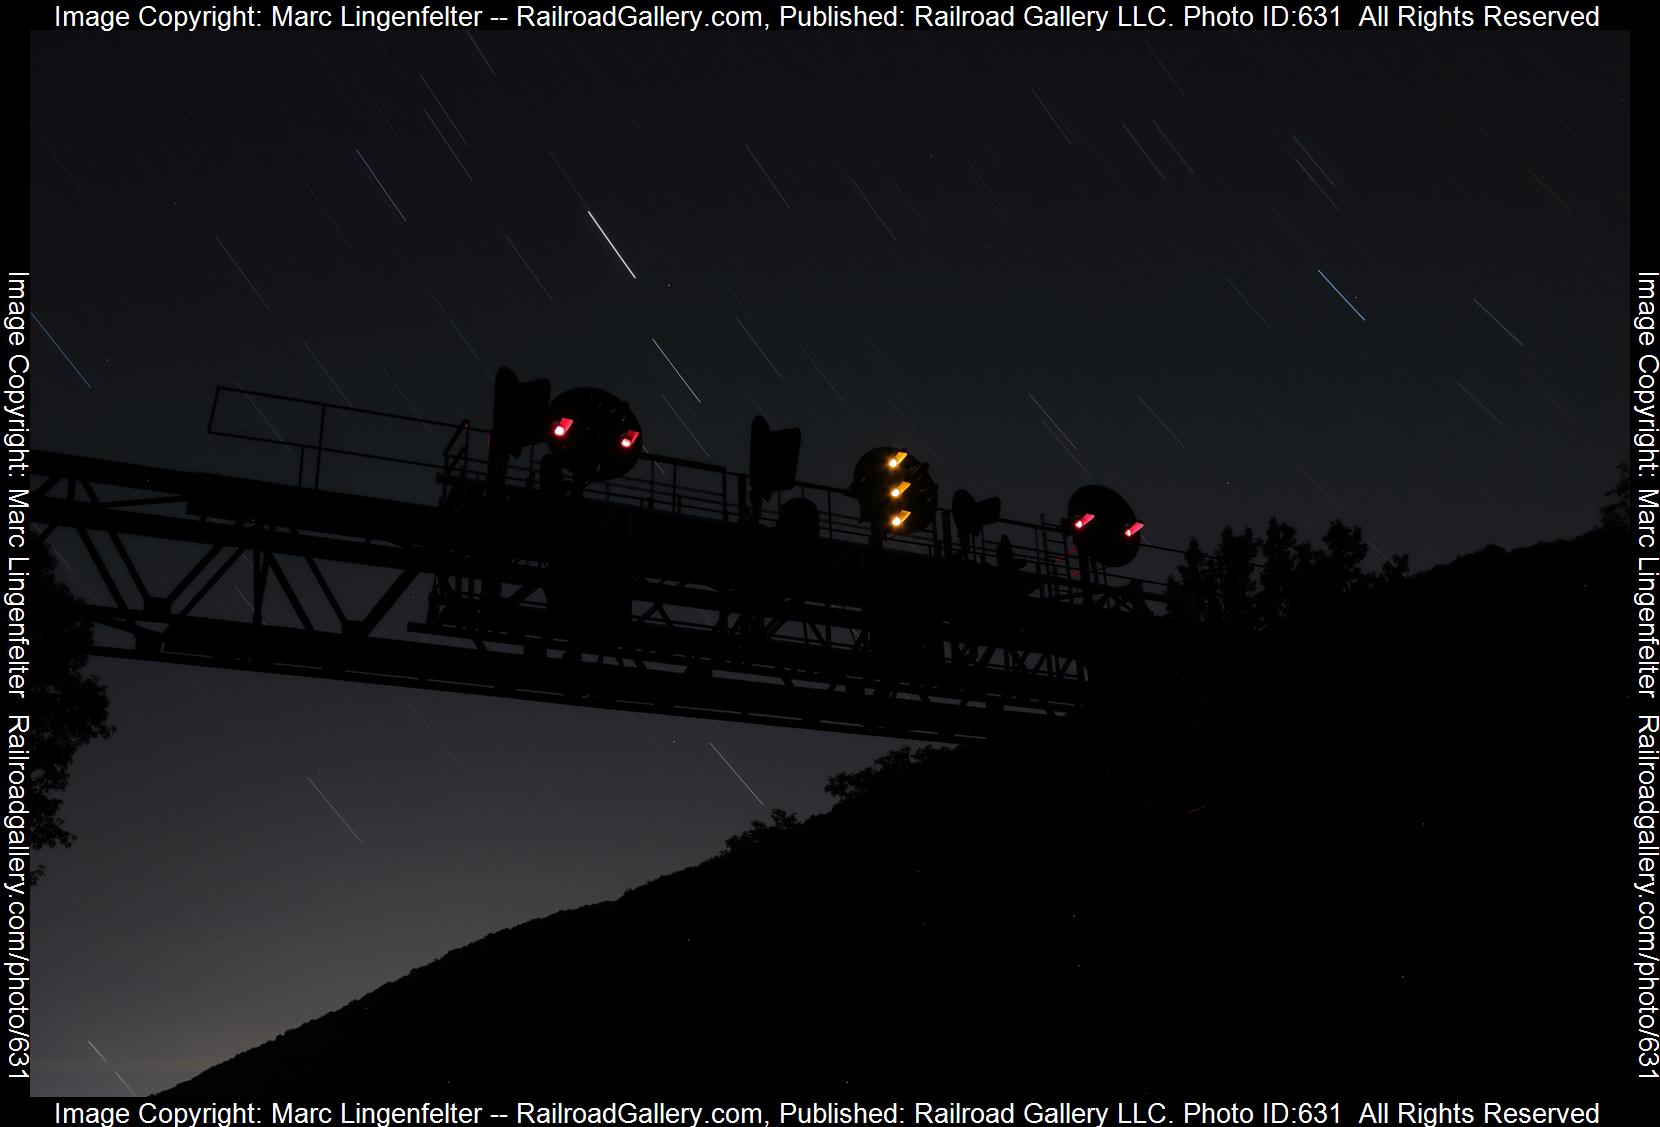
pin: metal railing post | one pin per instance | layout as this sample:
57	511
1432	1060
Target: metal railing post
317	465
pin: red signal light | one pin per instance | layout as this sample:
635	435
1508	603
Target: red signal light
1083	520
629	438
1132	529
562	428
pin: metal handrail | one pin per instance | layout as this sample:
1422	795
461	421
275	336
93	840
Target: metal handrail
1049	553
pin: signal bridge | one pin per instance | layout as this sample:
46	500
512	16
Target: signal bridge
601	574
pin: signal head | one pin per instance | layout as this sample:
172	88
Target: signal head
593	434
798	522
516	414
1103	526
971	516
773	455
894	491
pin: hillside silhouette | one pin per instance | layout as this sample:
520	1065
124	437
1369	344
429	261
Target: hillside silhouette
1382	842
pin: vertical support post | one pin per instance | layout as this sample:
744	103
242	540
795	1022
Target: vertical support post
317	463
261	566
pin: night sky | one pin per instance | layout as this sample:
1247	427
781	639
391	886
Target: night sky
1375	277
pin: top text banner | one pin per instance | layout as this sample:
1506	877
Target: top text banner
829	17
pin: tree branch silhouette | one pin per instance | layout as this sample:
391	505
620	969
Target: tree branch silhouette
69	708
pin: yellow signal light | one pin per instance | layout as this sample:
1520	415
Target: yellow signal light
900	518
893	462
898	489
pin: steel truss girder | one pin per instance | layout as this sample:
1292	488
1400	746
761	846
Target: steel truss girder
486	567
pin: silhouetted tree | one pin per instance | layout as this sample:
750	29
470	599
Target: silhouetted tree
1616	513
1250	582
1278	576
888	766
1222	582
760	831
67	707
1193	579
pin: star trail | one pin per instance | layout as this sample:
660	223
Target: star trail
1241	276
